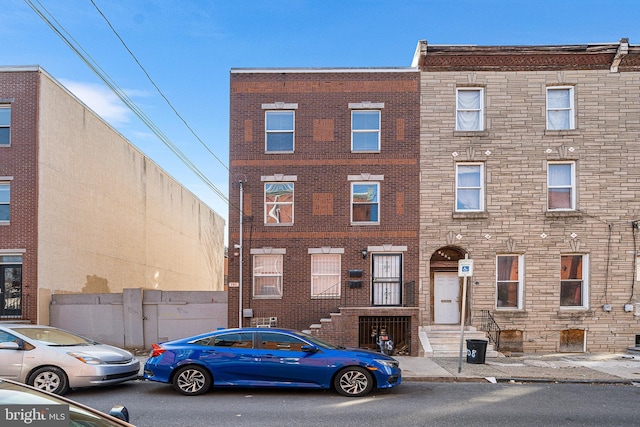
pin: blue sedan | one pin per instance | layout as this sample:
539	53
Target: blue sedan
260	357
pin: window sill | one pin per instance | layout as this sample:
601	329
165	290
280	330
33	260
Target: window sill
4	223
288	224
325	296
563	132
279	152
511	313
470	215
364	223
578	313
267	297
468	133
563	214
365	151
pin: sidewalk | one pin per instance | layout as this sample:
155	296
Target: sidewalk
565	367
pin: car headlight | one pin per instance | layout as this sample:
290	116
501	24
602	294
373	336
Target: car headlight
388	363
86	358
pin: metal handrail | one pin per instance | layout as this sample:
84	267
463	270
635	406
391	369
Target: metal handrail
491	327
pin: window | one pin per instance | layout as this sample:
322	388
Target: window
278	203
364	203
236	340
469	109
365	130
573	281
469	187
325	275
279	131
561	186
267	276
10	285
560	113
509	278
277	341
5	125
4	201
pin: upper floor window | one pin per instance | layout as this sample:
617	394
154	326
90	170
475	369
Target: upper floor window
267	276
365	203
365	130
560	111
573	281
5	125
561	186
325	275
5	190
278	203
470	109
509	281
279	128
469	187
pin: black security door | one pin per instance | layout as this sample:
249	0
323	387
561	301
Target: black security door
10	290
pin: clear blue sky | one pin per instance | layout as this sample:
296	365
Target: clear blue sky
189	46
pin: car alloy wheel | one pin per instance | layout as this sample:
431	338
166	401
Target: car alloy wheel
353	381
192	380
49	378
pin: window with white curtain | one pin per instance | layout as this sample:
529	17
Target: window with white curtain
469	187
267	276
561	186
278	203
560	111
470	109
509	279
325	275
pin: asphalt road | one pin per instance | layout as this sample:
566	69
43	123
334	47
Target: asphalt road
410	404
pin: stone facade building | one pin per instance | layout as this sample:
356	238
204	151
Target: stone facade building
83	211
530	166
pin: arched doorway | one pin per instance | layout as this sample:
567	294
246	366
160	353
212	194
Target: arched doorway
446	289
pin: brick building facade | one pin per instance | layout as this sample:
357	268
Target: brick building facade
327	162
84	211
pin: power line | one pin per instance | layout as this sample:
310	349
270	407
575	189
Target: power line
156	86
86	58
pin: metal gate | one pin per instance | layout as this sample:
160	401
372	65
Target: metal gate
397	327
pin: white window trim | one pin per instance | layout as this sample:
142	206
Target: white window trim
571	109
520	282
480	110
338	285
378	131
378	203
267	132
482	187
574	193
268	251
267	212
6	180
4	104
585	285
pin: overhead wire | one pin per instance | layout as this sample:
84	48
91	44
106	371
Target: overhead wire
156	86
93	65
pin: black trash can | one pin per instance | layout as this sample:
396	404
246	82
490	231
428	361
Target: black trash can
476	351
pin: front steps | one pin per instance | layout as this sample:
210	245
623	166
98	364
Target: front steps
444	341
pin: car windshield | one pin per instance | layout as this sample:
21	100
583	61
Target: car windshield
54	337
318	341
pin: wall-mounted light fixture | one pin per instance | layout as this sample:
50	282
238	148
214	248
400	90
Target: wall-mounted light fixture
364	253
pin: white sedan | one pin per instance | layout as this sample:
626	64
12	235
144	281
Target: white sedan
55	360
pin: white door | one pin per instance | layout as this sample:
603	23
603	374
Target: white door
446	293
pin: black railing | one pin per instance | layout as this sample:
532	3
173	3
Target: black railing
489	325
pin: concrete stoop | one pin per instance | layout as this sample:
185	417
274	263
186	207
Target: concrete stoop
444	340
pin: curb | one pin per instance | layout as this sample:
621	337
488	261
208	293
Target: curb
516	380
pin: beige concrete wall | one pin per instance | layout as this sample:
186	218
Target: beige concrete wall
109	218
515	149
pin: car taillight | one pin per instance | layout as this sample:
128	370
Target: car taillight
156	350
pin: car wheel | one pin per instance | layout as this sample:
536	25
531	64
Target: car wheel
192	380
49	378
353	381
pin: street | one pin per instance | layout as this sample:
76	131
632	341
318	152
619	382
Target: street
411	404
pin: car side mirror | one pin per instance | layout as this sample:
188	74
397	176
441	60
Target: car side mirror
9	345
120	412
309	348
